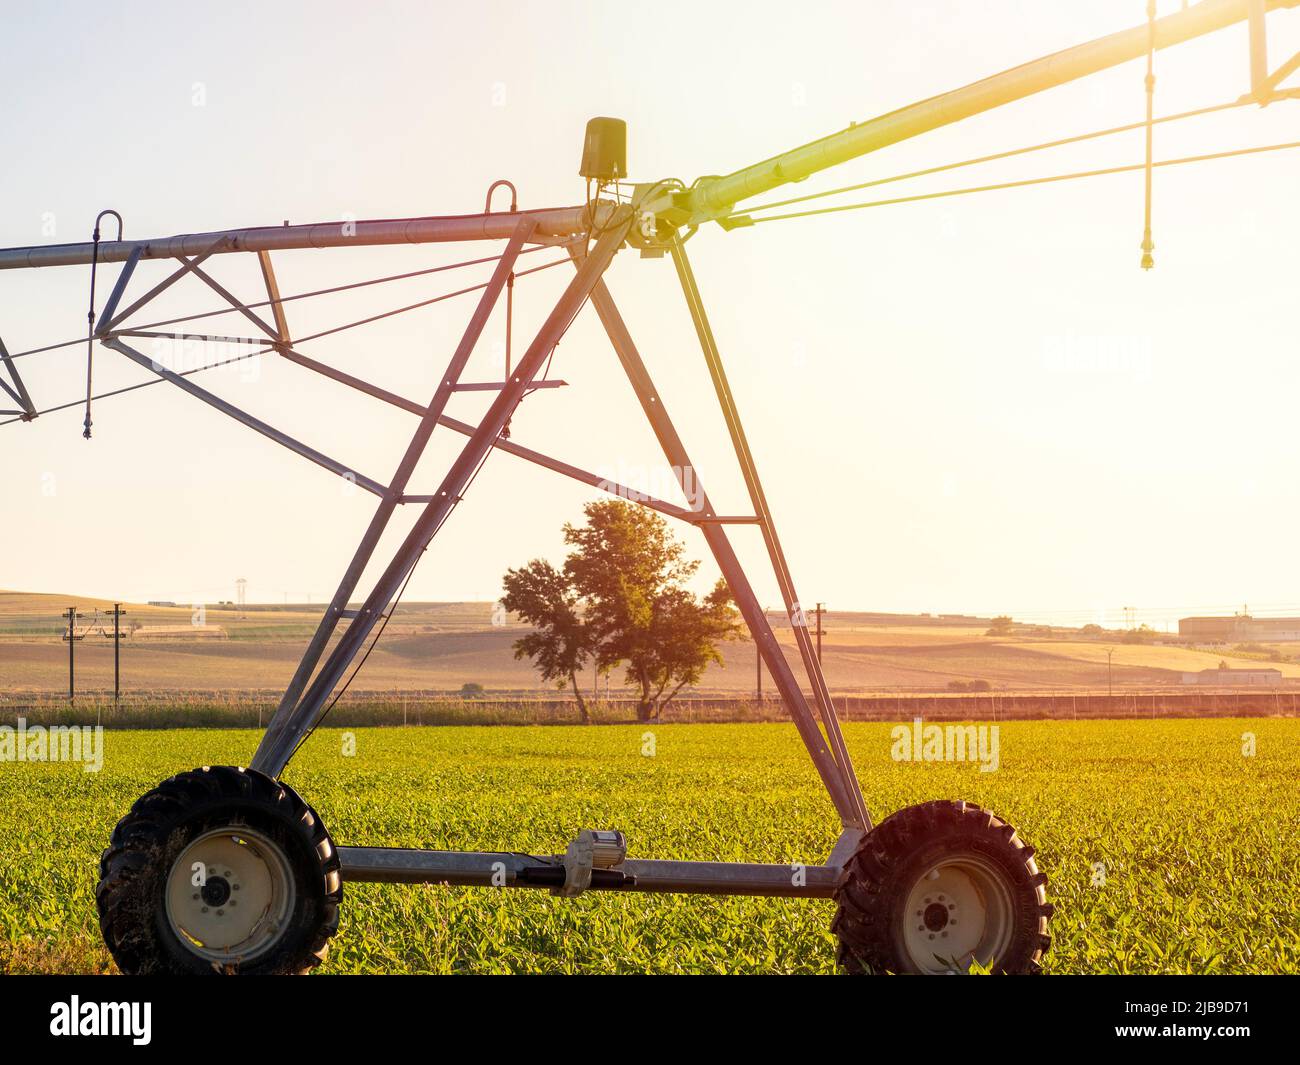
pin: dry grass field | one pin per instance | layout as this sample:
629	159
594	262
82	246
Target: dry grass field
442	646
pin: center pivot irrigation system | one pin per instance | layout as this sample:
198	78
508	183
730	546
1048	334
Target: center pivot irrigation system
227	869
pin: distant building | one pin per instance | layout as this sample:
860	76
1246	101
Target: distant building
1240	628
1235	678
161	602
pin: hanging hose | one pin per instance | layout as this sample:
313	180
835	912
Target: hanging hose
1148	245
90	314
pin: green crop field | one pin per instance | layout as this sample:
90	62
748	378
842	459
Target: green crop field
1168	849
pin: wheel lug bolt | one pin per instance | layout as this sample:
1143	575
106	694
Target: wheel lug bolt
204	909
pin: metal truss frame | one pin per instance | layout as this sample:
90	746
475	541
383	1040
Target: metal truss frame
652	223
14	388
329	654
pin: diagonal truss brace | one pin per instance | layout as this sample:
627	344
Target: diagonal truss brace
758	499
1263	84
111	338
830	760
269	431
17	391
294	721
415	449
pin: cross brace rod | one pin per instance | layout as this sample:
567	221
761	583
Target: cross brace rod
399	865
273	294
851	812
429	416
508	446
221	291
269	431
112	323
119	288
291	725
18	392
758	499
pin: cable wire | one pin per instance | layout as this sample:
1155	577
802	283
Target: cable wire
1030	181
299	296
267	349
1062	142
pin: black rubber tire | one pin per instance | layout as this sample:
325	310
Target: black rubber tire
874	887
148	840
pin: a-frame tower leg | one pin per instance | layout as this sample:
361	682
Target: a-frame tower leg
833	767
337	609
293	723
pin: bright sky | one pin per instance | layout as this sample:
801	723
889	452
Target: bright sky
978	404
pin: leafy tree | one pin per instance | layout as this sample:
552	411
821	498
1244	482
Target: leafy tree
621	600
1142	634
560	642
1001	626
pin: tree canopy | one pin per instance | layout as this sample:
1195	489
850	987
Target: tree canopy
620	600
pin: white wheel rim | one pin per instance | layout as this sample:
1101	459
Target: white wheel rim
960	911
230	895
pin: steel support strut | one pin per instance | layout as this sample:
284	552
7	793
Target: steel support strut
396	865
290	727
393	496
851	810
269	431
758	499
18	391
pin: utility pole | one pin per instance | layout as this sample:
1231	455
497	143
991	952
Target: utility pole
71	636
116	614
820	609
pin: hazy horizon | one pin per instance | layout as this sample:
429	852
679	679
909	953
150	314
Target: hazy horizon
1161	619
